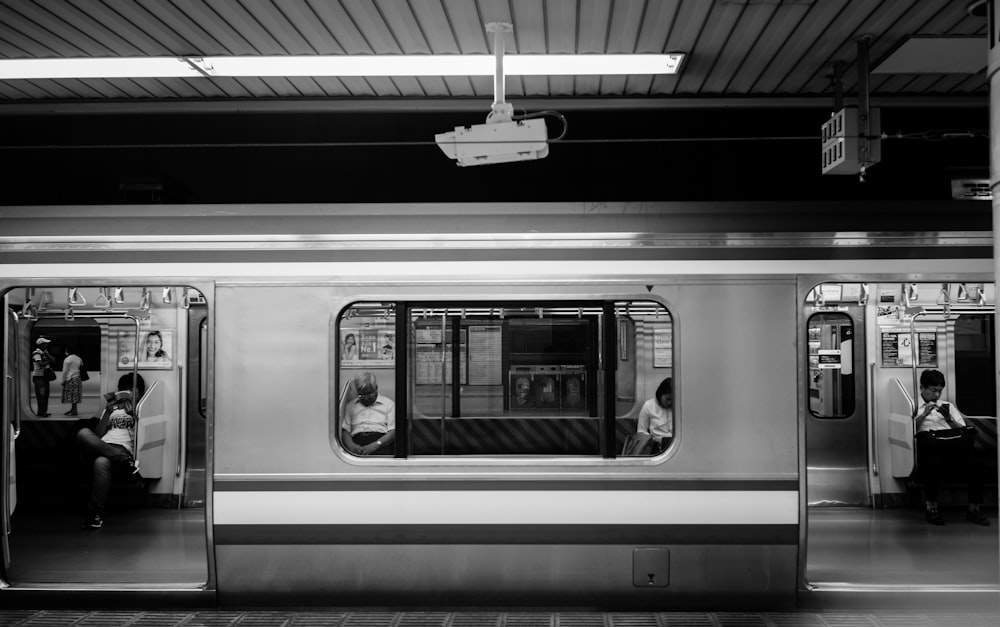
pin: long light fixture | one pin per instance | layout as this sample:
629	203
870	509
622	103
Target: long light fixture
367	65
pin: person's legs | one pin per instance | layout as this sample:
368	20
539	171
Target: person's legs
41	395
930	467
93	446
99	488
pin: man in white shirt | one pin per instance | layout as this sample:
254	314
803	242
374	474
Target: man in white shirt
369	423
937	458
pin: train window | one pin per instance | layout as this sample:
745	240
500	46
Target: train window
505	378
975	386
831	365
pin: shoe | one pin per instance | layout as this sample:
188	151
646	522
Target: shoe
70	413
934	516
46	415
93	521
978	518
133	464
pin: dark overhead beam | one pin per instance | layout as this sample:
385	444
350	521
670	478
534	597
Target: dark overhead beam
431	105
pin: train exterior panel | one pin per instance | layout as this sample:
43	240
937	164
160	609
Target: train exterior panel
483	501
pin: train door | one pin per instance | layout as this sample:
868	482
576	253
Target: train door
878	537
836	418
132	344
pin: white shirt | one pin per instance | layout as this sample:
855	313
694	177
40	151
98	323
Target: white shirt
935	420
121	429
656	421
380	417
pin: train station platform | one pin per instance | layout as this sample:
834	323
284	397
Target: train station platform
385	618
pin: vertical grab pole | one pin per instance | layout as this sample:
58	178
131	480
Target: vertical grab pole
875	433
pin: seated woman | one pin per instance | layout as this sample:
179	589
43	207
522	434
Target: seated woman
108	444
656	422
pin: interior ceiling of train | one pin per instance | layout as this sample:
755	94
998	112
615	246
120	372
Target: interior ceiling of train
758	77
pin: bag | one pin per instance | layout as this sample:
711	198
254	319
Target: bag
50	374
633	448
83	374
957	441
958	434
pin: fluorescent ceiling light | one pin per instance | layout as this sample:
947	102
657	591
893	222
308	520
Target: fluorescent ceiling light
370	65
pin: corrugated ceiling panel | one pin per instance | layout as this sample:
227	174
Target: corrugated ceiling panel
767	47
266	16
372	26
798	44
735	47
164	23
221	29
529	21
341	27
732	58
627	17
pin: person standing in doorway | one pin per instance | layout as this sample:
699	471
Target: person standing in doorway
72	384
41	366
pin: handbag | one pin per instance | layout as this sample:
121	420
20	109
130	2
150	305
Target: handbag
50	374
958	440
949	435
83	374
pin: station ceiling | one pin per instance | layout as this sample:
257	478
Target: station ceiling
735	49
740	121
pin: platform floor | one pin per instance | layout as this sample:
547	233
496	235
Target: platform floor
341	618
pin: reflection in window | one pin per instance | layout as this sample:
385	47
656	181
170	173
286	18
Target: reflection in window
509	378
831	375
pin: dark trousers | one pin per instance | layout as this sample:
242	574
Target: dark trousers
949	461
41	394
367	437
102	457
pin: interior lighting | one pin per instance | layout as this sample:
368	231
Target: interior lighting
364	65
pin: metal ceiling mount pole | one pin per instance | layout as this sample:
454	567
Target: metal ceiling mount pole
864	106
502	111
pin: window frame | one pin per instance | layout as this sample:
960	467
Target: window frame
606	314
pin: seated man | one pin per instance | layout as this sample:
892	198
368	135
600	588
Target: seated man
369	422
936	458
109	443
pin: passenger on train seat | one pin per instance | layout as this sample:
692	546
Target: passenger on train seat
108	444
655	428
938	458
369	422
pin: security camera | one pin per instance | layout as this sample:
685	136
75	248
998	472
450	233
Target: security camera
496	142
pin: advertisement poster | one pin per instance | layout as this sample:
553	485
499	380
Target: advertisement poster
156	349
897	349
663	347
368	345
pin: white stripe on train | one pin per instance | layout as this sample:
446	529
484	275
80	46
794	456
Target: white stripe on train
557	507
525	272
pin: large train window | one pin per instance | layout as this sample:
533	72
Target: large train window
975	387
831	367
505	378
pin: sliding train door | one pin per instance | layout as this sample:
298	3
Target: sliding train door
836	415
135	341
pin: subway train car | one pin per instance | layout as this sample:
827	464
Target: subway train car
517	345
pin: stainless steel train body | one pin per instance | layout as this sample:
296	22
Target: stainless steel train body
779	346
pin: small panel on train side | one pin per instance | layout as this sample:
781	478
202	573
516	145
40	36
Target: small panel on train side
505	379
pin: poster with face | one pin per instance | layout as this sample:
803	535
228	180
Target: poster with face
367	343
521	396
156	349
